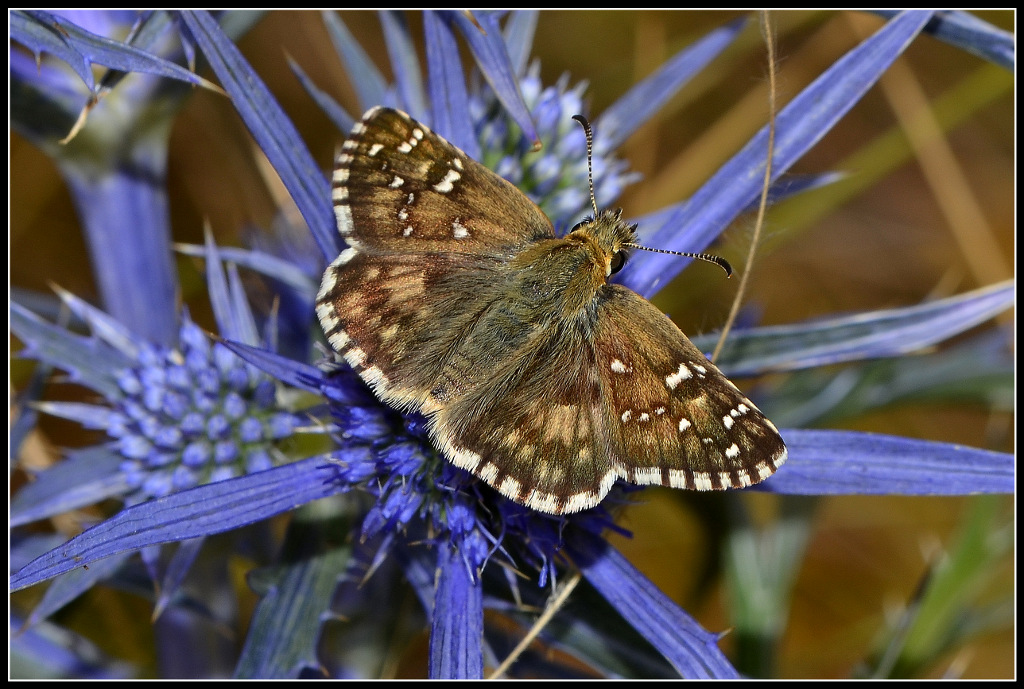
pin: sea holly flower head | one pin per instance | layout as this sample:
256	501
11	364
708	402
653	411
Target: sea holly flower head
174	417
194	416
556	177
418	522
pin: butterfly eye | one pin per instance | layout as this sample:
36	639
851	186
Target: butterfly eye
581	224
618	260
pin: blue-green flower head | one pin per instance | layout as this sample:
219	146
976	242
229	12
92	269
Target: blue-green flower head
195	415
556	177
184	416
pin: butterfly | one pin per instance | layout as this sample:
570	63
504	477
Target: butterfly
455	298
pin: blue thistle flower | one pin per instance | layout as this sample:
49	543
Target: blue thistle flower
175	417
192	416
179	410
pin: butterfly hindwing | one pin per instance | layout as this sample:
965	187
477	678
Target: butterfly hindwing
620	393
680	422
537	432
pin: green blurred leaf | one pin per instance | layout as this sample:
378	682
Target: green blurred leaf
946	612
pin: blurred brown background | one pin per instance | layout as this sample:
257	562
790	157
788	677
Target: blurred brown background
884	240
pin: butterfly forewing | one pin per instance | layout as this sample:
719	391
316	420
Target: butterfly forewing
393	316
407	203
398	187
455	299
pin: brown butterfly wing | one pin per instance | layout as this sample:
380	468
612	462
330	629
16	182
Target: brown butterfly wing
399	188
620	393
677	420
537	431
397	301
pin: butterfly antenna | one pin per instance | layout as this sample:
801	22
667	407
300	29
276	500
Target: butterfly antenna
710	258
590	164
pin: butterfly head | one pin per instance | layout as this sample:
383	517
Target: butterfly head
610	234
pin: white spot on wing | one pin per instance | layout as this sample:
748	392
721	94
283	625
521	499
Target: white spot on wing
326	287
683	424
459	230
647	475
488	473
338	339
618	366
681	374
510	487
541	501
374	150
447	184
375	378
588	498
461	457
325	314
677	478
732	452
